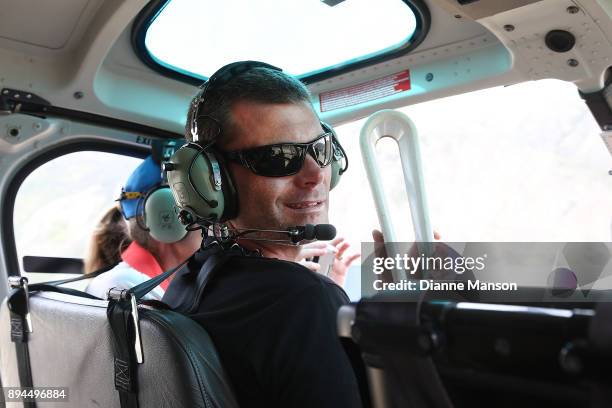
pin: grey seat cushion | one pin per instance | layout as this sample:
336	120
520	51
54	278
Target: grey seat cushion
71	347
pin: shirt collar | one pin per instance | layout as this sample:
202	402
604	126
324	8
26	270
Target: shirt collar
142	260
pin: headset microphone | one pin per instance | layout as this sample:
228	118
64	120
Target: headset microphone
325	232
309	232
297	234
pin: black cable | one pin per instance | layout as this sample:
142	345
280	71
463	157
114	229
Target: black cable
344	155
202	150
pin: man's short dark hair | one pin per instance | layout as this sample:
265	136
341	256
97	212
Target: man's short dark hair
261	85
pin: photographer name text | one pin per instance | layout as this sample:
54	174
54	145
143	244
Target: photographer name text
429	284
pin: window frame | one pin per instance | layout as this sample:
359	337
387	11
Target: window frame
9	244
148	14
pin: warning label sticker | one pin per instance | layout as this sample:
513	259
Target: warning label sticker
364	92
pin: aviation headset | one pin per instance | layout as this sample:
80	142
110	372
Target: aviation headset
159	216
198	176
155	208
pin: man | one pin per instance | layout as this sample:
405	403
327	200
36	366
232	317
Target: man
273	320
146	256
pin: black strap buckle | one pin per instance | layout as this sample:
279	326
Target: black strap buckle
19	304
122	295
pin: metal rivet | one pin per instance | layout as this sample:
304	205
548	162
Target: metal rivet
509	27
78	95
17	96
429	77
573	9
29	96
572	62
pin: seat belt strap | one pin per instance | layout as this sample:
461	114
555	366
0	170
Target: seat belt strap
122	314
82	277
123	330
21	326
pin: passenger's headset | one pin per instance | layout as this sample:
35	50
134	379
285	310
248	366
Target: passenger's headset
159	216
156	212
198	176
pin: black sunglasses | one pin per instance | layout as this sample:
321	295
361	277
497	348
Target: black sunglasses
284	159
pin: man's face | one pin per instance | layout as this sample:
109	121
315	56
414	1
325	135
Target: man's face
278	202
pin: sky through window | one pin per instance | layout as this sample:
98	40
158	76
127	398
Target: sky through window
299	36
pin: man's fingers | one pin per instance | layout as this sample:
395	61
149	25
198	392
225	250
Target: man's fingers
350	259
379	244
331	248
316	244
341	249
336	241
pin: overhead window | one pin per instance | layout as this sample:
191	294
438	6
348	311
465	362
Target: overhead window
304	38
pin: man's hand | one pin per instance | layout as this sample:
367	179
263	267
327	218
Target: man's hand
341	263
309	251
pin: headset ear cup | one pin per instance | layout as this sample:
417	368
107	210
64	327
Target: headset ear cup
196	179
160	217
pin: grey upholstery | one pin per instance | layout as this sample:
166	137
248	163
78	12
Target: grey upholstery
71	347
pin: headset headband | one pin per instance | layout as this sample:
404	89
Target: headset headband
221	77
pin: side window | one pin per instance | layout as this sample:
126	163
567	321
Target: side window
521	163
59	203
